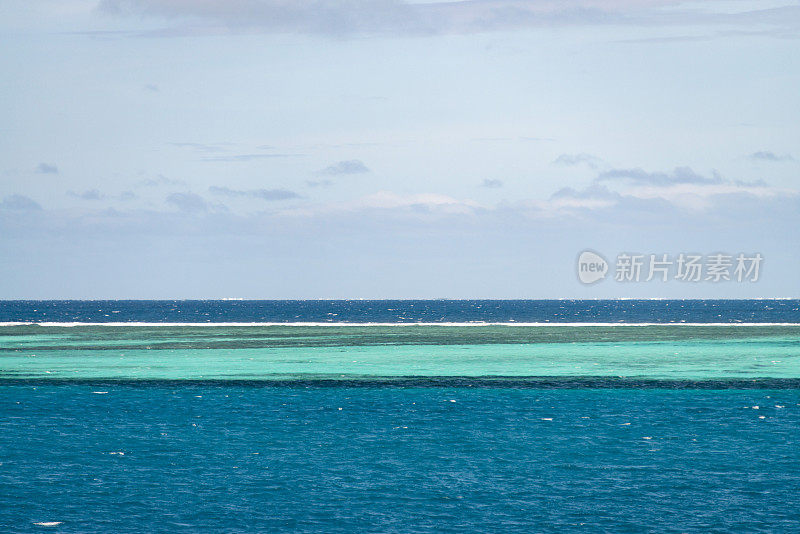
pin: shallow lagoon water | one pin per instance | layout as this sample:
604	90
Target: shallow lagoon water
291	352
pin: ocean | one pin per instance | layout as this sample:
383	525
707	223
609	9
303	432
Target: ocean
400	416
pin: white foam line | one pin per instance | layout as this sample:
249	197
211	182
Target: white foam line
350	324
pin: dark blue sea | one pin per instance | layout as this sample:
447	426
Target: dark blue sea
403	311
410	453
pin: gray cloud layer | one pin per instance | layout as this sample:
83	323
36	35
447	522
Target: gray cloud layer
403	18
417	235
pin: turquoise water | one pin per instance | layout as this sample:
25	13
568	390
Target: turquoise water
291	352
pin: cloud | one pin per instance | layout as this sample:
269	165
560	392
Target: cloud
635	190
19	203
46	168
159	181
127	195
153	88
680	175
263	194
91	194
595	208
352	166
572	160
188	202
492	183
399	17
172	254
765	155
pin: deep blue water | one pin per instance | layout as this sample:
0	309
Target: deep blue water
306	459
404	311
417	454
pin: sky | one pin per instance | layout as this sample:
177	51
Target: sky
394	149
